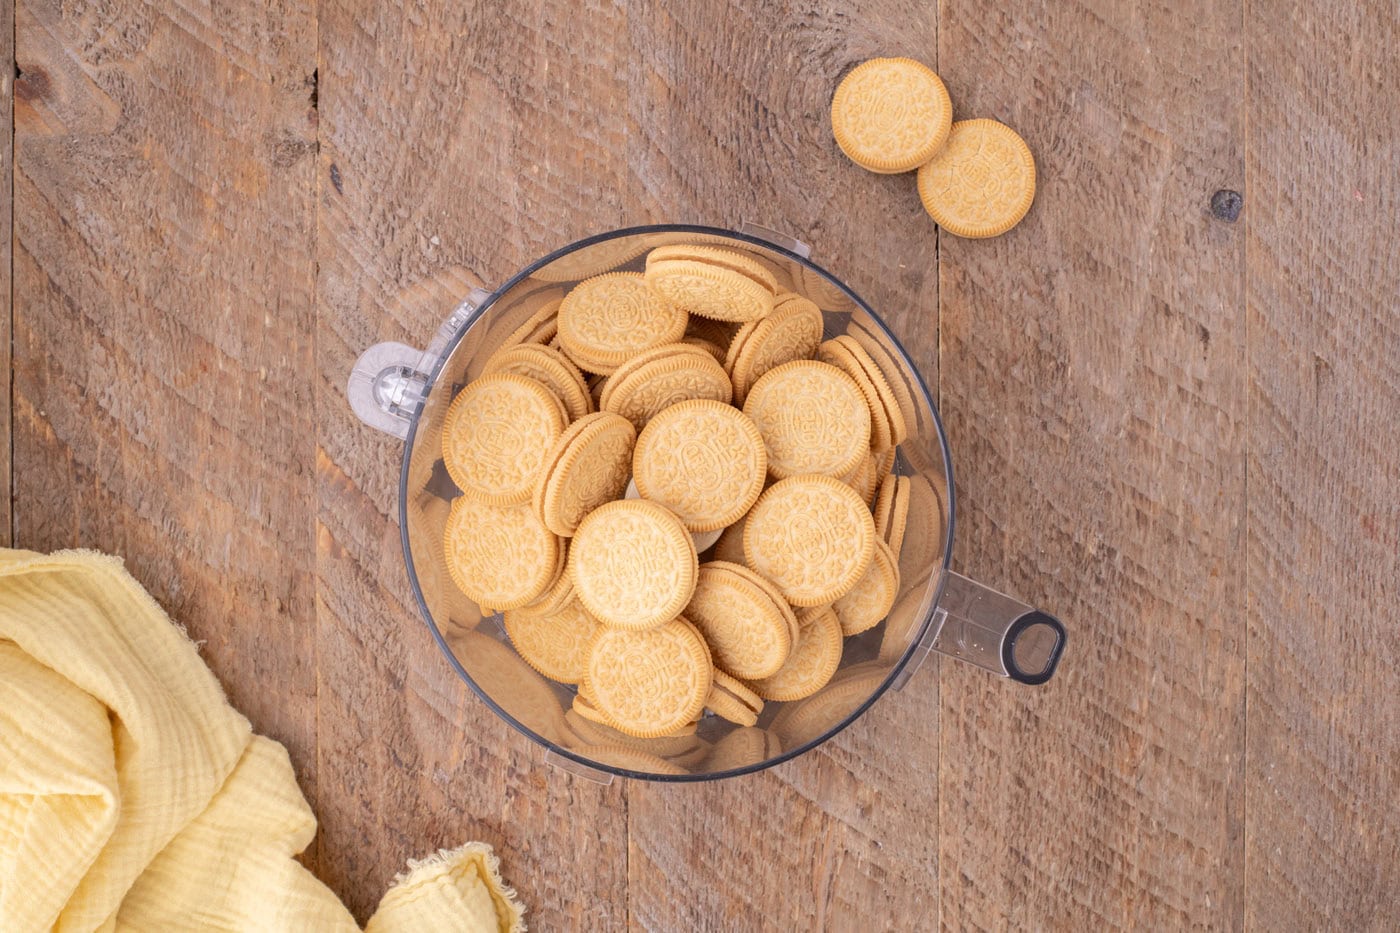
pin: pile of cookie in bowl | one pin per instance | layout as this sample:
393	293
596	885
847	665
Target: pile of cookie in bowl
679	496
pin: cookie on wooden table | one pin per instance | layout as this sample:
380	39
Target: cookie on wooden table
497	433
499	556
633	564
982	182
609	318
813	661
813	417
587	467
711	282
811	536
651	682
891	114
702	459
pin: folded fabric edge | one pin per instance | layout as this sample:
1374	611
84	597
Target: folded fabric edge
20	560
445	860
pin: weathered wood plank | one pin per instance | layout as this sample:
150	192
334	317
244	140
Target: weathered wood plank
457	145
1322	839
729	122
7	166
162	329
1092	385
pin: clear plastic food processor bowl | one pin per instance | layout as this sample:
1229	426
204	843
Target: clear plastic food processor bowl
406	392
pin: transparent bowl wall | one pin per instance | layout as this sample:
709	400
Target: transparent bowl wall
475	641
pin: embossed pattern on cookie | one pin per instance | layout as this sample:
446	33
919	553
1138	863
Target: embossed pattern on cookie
610	317
703	460
633	564
747	632
814	658
650	682
792	332
871	599
496	435
665	382
712	283
548	367
555	644
497	555
588	466
813	418
811	536
982	182
891	114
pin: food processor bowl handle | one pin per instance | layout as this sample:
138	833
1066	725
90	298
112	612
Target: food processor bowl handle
979	625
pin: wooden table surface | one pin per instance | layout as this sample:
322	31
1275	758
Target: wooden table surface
1175	430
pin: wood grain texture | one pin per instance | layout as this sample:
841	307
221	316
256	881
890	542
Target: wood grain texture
7	166
457	145
1092	384
730	122
1323	798
162	327
1175	432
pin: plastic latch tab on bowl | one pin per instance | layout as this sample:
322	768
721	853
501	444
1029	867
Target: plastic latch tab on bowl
387	385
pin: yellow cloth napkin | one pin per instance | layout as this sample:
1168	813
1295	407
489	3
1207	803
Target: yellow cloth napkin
132	796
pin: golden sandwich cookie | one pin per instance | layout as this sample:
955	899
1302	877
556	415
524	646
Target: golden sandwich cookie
633	564
813	418
555	644
496	435
707	281
864	479
748	627
649	683
644	386
792	332
609	318
806	720
499	556
981	183
730	699
871	599
811	536
549	368
587	467
702	459
743	748
891	114
892	512
814	659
